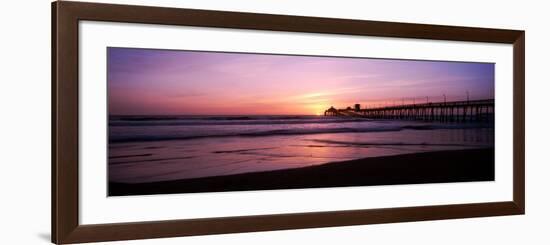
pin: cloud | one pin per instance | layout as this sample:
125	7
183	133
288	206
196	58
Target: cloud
186	94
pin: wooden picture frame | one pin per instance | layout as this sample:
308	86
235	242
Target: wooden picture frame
65	121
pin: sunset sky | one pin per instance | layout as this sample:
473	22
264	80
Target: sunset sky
168	82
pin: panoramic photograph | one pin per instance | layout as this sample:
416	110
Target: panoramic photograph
184	121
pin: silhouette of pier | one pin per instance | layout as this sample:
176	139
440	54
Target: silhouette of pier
455	111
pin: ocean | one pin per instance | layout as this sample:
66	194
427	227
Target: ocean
159	148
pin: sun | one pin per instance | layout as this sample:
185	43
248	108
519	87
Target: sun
319	109
316	109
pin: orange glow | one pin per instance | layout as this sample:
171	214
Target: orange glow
143	82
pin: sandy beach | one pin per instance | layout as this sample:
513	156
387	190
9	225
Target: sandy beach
429	167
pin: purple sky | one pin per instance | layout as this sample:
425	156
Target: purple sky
168	82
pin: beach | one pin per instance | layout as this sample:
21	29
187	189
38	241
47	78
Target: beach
187	121
186	154
415	168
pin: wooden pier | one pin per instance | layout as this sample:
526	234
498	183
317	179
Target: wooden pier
455	111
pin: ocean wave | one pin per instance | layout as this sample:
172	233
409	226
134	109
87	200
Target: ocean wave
281	132
348	143
229	121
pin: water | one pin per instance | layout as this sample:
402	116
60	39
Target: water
157	148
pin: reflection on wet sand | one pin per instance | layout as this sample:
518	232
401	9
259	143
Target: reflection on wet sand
183	159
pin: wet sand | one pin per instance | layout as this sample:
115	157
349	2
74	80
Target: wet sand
416	168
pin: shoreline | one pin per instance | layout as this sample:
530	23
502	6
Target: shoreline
415	168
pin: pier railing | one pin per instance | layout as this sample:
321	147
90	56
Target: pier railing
455	111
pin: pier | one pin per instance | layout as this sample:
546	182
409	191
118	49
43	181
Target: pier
455	111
